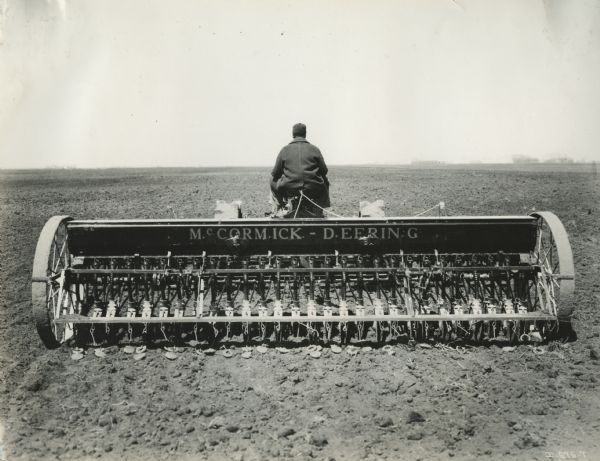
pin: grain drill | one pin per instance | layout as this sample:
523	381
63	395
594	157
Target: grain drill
444	278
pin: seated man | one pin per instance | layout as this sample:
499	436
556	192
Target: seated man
300	167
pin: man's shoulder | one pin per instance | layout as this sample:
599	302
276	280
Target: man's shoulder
298	140
303	142
314	148
305	147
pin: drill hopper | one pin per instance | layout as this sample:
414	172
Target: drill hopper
481	277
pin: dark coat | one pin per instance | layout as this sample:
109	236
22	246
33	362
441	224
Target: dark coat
300	166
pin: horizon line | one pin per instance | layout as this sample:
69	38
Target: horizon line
423	163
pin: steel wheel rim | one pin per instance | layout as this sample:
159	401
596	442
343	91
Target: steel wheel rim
52	257
58	261
556	279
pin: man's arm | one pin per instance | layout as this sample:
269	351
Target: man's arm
322	168
278	168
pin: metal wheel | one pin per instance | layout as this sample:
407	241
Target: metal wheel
556	279
50	295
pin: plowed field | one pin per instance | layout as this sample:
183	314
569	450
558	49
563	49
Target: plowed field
423	403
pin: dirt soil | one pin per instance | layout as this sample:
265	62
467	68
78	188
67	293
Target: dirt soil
420	403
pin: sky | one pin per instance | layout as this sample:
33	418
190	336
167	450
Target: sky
117	83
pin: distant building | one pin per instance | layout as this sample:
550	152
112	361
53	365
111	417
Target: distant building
427	162
560	160
525	159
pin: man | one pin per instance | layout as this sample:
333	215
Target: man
300	167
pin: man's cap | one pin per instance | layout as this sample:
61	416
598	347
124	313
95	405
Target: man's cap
299	130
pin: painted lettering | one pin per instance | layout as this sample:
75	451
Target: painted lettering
393	233
195	234
296	233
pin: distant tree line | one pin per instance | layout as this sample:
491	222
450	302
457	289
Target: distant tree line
528	159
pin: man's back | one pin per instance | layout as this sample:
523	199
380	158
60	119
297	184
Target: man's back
300	165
